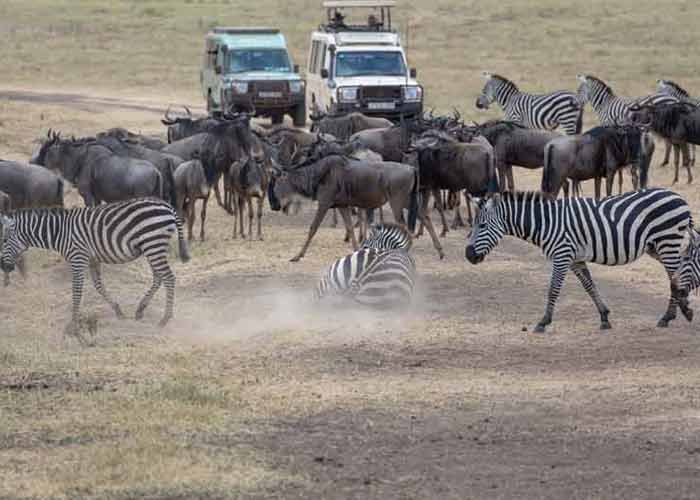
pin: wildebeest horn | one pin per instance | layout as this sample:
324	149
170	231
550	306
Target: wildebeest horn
166	119
189	113
456	114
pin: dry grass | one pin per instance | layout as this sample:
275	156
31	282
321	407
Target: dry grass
253	393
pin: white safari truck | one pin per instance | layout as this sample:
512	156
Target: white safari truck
361	66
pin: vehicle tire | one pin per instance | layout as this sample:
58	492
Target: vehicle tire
299	115
277	118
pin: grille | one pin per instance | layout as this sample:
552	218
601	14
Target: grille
381	92
264	86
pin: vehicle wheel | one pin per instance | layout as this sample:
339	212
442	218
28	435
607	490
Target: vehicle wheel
299	116
277	118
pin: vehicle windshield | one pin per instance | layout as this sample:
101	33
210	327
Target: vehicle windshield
240	61
388	63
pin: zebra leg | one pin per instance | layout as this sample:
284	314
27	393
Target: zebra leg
670	260
96	275
78	278
559	269
581	271
148	296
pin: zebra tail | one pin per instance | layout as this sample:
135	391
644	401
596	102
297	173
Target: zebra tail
546	172
413	204
183	251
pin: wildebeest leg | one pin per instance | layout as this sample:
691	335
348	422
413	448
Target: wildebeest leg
597	185
334	222
560	266
96	274
381	213
686	161
692	154
318	218
426	222
609	183
468	201
581	271
676	161
667	152
241	207
234	204
441	210
259	215
250	217
202	216
347	219
620	180
457	221
190	217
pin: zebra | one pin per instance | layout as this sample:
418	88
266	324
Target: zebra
380	274
545	111
572	231
671	88
687	277
87	237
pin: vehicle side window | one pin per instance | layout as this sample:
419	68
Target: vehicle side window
322	62
314	57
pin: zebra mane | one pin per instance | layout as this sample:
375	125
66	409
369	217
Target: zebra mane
502	78
526	196
600	82
378	229
680	90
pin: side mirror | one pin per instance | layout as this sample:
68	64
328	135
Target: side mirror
218	69
413	73
296	68
324	73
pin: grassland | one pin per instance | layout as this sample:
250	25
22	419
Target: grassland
252	393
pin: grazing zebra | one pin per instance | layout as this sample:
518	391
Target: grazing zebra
687	277
671	88
113	233
380	274
614	231
546	111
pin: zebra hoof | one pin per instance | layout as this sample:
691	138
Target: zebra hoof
663	323
118	311
296	258
163	322
540	328
605	325
687	313
139	315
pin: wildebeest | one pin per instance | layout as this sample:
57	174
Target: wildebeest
129	137
247	181
446	163
337	181
191	185
182	127
515	144
679	123
599	153
98	174
230	141
30	186
165	163
390	142
342	126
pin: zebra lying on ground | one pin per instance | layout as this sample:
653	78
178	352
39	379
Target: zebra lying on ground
614	231
380	274
113	233
546	111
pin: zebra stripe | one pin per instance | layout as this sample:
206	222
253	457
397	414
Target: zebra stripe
687	277
381	274
612	110
614	231
671	88
113	233
544	111
389	236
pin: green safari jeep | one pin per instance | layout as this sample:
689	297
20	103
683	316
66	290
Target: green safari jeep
251	66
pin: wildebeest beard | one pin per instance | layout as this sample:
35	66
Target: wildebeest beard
224	144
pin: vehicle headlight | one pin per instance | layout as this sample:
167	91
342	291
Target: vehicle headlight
347	94
239	87
296	86
412	93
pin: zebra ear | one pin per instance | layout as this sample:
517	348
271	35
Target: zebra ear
694	236
581	78
486	74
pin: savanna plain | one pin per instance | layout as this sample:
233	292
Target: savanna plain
251	392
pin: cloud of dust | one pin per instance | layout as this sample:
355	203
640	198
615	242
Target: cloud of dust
269	311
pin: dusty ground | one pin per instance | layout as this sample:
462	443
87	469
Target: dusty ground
253	393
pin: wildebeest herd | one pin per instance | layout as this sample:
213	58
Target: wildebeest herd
139	190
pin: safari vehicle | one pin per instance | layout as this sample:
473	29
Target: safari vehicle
361	67
250	68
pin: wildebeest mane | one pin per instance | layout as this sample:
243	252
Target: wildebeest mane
306	178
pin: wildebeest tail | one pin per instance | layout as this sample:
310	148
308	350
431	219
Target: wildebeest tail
547	180
171	182
413	203
183	251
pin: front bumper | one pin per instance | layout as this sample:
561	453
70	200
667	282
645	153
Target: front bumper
407	109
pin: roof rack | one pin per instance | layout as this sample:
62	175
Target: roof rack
336	18
229	30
